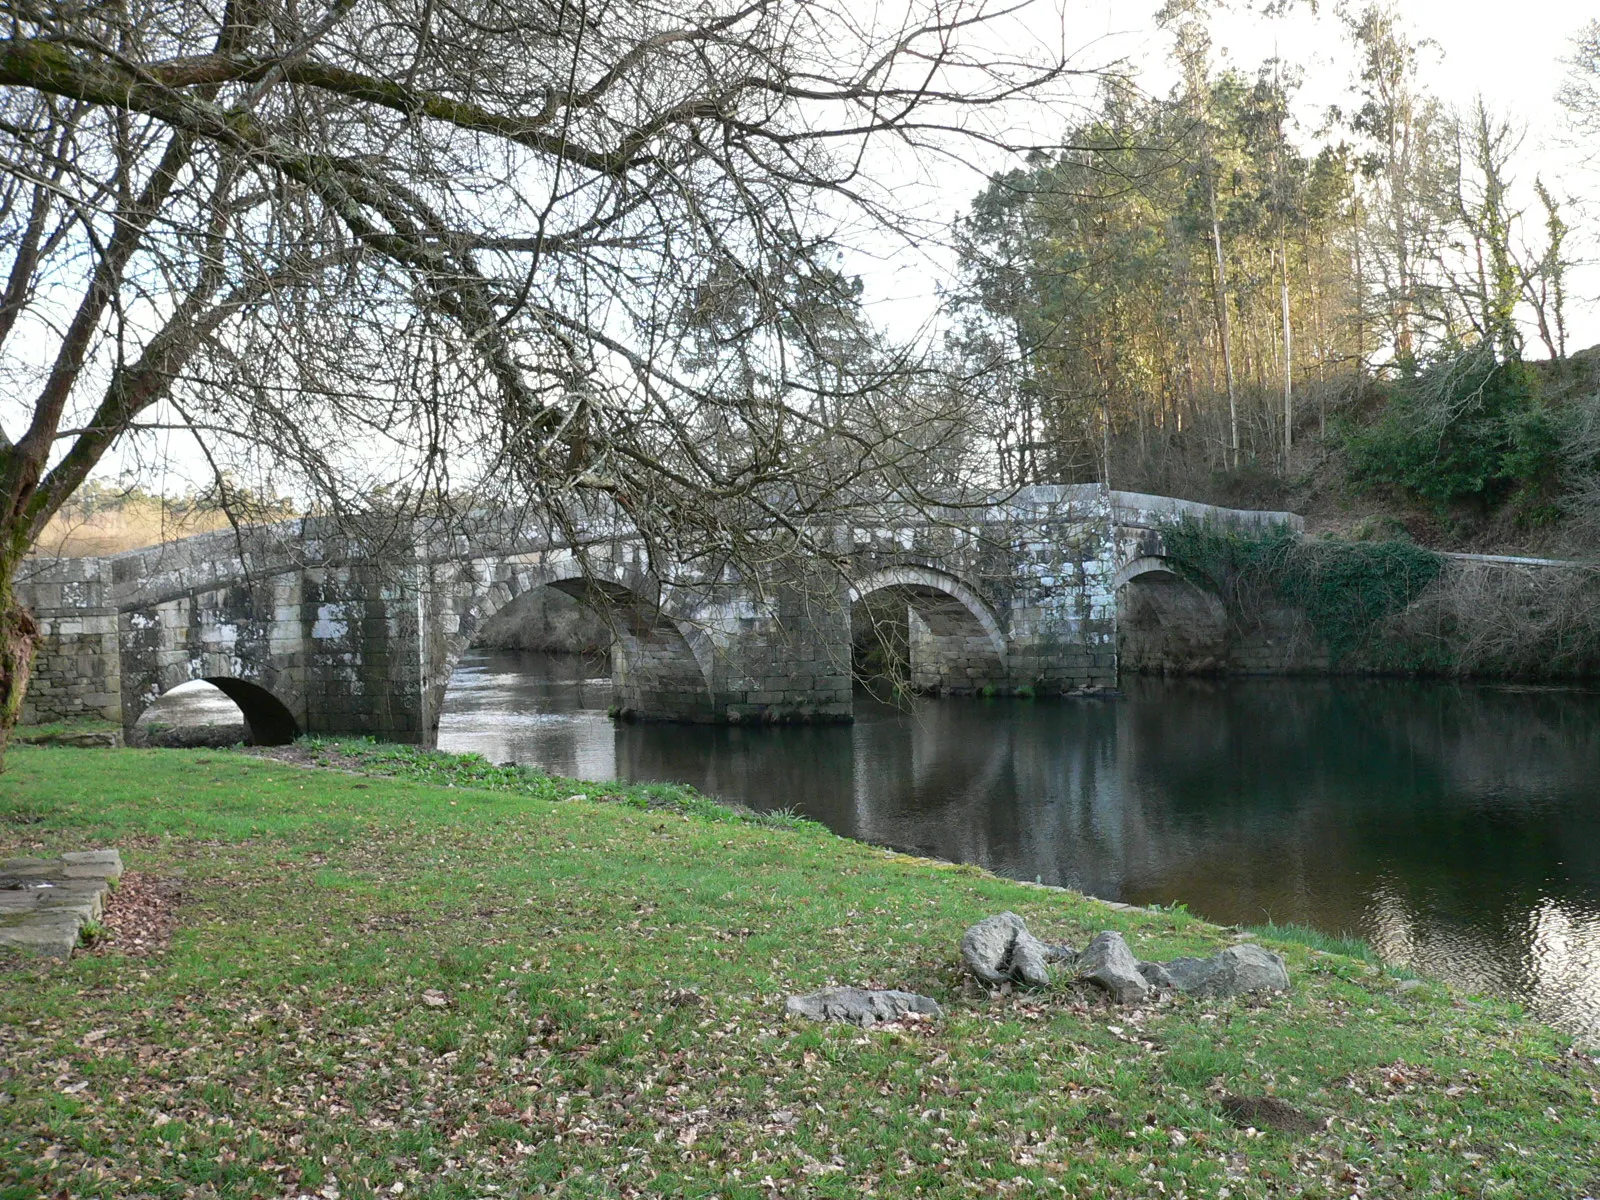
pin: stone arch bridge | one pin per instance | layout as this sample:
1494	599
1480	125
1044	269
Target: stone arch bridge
313	631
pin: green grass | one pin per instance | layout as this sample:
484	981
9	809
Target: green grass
452	977
1344	943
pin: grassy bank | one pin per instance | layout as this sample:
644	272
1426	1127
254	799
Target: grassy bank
458	980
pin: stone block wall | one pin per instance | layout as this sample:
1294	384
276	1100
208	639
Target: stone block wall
655	677
776	651
1063	607
948	660
546	620
77	672
361	638
1282	642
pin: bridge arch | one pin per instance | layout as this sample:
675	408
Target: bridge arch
1145	564
1166	623
267	720
959	644
661	663
227	637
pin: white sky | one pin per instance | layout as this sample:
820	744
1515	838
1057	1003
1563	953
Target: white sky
1510	54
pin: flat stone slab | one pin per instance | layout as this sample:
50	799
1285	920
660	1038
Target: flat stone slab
864	1008
109	739
45	902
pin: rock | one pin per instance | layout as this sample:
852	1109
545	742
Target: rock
187	737
1156	975
1235	971
1029	960
999	949
986	947
89	739
48	934
1107	961
864	1008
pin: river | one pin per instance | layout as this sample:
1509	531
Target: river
1455	828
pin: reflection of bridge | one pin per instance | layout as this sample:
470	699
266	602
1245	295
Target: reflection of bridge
323	633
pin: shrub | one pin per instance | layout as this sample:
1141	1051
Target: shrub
1497	619
1350	589
1466	429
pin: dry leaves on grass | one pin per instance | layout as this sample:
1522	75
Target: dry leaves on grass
141	913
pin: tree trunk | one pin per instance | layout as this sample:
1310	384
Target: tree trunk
1288	360
1222	323
19	637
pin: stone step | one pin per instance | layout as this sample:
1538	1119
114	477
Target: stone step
45	902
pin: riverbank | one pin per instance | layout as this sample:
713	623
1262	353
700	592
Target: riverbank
460	978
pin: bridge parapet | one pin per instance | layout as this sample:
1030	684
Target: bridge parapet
1137	510
1141	520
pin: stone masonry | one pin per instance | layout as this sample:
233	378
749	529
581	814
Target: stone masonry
77	669
45	902
316	630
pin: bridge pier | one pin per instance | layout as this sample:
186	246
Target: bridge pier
780	652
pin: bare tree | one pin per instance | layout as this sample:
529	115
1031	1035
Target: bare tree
568	246
1579	93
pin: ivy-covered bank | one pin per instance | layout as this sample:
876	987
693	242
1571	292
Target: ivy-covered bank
457	980
1389	605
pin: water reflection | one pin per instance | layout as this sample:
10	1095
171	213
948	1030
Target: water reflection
1457	828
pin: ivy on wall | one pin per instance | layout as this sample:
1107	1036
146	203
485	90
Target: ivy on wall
1348	590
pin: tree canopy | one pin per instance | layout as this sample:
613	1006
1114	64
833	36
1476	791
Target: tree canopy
1194	276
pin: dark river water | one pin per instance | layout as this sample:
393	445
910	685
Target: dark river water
1455	828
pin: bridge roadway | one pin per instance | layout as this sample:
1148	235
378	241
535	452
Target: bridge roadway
316	630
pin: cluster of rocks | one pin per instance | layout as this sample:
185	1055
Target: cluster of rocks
1000	950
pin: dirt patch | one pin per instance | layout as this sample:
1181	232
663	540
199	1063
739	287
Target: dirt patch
141	913
305	756
1266	1112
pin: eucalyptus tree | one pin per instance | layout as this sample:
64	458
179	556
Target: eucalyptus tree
1406	156
1102	264
1579	92
419	247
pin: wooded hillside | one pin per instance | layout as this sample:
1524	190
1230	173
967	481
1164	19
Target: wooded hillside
1200	299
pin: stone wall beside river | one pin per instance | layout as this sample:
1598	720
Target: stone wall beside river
1168	626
